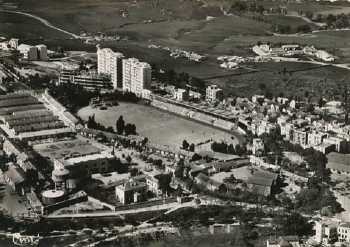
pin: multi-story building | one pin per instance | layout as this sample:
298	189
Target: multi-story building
29	52
300	136
89	81
340	144
214	93
181	94
325	232
344	232
13	43
315	138
137	76
110	63
132	191
259	127
42	52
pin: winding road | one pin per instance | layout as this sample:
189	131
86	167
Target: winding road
43	21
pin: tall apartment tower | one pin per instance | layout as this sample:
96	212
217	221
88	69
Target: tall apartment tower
42	52
136	76
110	63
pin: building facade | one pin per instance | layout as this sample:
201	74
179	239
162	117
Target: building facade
214	93
110	63
137	76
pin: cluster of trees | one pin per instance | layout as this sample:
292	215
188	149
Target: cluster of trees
92	124
228	148
180	80
180	169
37	81
187	146
332	21
287	29
127	129
317	196
292	224
338	21
164	182
315	160
72	96
242	6
121	96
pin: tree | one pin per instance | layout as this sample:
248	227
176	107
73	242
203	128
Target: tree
130	129
185	145
164	182
231	179
120	125
192	147
293	224
179	170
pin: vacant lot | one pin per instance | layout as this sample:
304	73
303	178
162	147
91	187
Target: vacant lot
160	127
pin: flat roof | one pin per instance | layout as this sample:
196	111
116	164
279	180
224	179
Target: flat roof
64	149
53	193
80	159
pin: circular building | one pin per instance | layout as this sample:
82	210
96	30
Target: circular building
52	196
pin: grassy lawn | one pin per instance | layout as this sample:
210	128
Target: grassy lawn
315	81
160	127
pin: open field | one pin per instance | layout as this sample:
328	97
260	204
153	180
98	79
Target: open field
160	127
23	27
184	24
299	79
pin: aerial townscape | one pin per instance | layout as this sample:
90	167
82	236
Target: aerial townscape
166	123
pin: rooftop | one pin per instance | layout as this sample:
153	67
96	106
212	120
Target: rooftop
64	149
85	158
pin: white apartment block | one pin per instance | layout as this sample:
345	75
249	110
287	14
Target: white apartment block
110	63
214	93
137	76
344	232
181	94
42	52
315	138
300	136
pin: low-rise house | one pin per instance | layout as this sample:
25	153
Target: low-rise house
153	184
16	179
131	191
325	56
181	94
